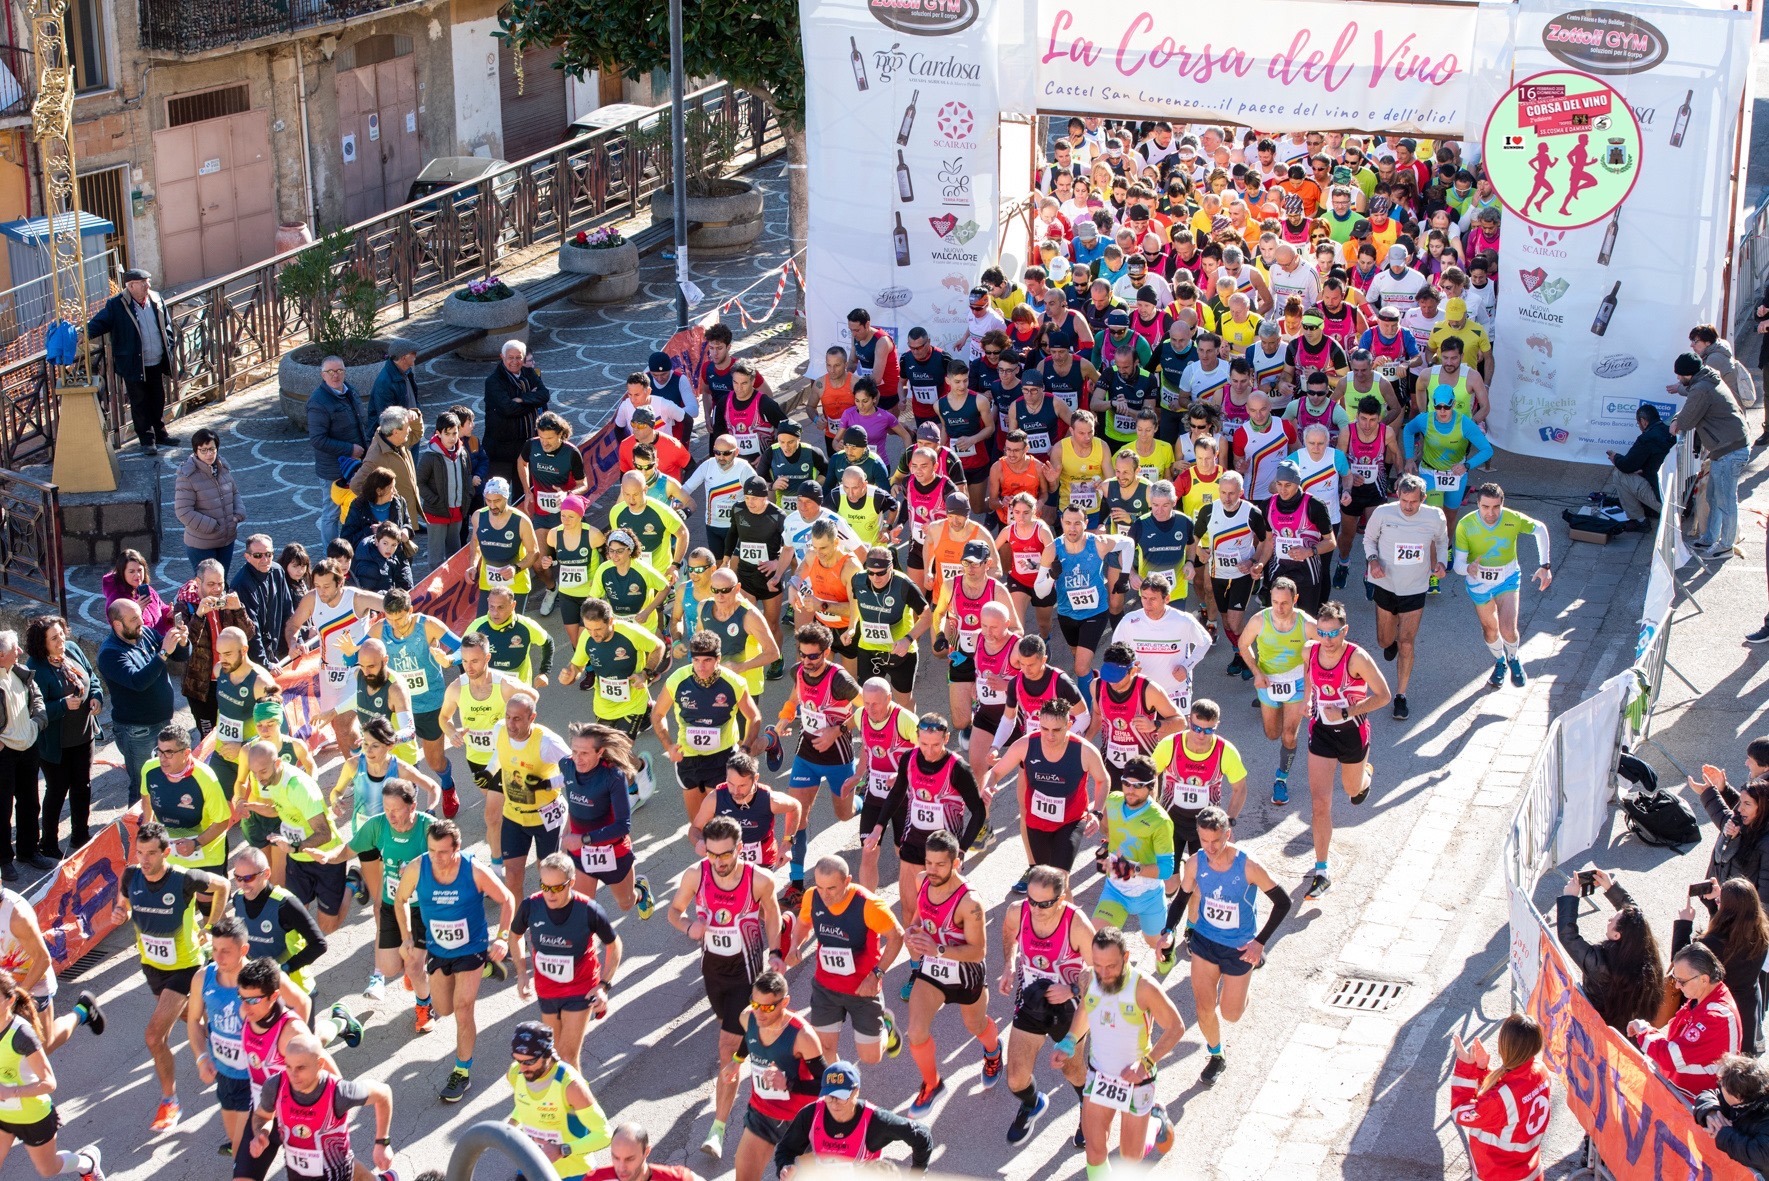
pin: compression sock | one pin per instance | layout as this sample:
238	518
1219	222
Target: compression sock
1099	1172
927	1062
1085	683
1216	1050
1497	648
1286	756
800	842
1320	867
81	1013
465	1064
75	1162
718	1130
1028	1097
1510	650
448	776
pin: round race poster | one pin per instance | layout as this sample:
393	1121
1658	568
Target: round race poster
1562	149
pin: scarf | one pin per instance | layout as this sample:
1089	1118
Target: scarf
456	470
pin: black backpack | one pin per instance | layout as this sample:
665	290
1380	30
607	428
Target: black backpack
1654	815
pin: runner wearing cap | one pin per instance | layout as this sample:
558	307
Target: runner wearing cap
858	940
659	458
1167	642
1486	556
755	547
674	386
598	780
1393	351
1477	348
823	698
1130	712
1041	418
715	713
1047	958
1317	406
551	468
842	1127
891	615
924	367
724	475
1442	446
785	1071
1302	535
1345	685
958	620
792	463
856	452
948	538
632	586
553	1104
569	555
559	930
1124	387
1069	378
503	545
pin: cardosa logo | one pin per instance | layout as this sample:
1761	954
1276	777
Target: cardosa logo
1603	41
924	18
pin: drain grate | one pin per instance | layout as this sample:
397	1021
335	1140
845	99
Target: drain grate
1357	995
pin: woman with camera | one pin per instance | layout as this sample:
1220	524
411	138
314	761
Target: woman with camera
1623	972
1738	935
1742	816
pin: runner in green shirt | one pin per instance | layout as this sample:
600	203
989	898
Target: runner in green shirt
317	852
384	844
1136	855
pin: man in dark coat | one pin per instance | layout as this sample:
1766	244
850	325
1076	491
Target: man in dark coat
515	395
141	354
337	433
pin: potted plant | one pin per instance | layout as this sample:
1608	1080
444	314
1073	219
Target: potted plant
604	254
493	305
339	301
725	212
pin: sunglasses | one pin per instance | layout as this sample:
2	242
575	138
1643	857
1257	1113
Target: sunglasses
644	467
1137	782
1330	635
252	1000
724	454
773	1007
1197	729
932	728
698	569
524	1061
991	352
559	889
810	656
1044	905
249	877
724	590
875	571
258	553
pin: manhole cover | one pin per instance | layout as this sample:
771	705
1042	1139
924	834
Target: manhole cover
1357	995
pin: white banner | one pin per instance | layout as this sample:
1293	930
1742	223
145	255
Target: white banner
1588	734
1278	65
1590	319
901	130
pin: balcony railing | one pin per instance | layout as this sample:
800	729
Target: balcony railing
230	331
196	26
18	81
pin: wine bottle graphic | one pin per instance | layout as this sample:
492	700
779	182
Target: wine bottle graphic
900	240
859	64
1682	123
1605	310
905	186
1609	233
908	120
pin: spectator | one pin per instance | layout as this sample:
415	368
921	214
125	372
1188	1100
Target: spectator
1498	1102
207	502
480	464
396	384
205	607
390	450
1738	935
132	662
1736	1111
1634	480
670	455
130	579
264	592
1623	975
1718	426
381	561
141	354
1715	352
72	698
445	487
515	395
297	568
22	719
336	431
1742	816
378	503
1762	330
1704	1029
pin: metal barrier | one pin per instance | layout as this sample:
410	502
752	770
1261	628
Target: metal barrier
30	541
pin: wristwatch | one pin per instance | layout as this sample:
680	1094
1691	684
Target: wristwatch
384	1141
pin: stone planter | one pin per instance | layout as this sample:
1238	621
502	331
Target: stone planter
616	271
297	376
727	224
503	320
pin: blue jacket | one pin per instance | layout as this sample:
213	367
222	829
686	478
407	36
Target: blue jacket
135	675
334	425
392	388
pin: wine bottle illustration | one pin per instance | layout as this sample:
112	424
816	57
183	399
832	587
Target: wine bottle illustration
1609	233
859	64
1682	123
900	240
905	186
908	120
1605	310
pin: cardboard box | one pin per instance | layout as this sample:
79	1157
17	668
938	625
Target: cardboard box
1586	535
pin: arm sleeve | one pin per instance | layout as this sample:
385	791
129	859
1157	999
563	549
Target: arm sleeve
295	918
887	1128
543	643
795	1141
895	800
1541	535
810	1080
620	823
975	814
1280	906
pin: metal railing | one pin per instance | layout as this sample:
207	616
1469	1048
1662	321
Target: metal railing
227	332
18	82
30	541
196	26
27	309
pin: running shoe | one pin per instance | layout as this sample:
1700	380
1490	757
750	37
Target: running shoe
1390	651
376	988
774	671
1246	671
1401	713
924	1099
786	617
1280	791
893	1040
1318	886
1079	1139
645	904
992	1067
94	1012
166	1115
1213	1070
1498	677
1433	589
1761	635
776	754
456	1088
96	1172
1340	576
792	896
497	970
451	803
1026	1119
908	988
1517	677
350	1029
714	1144
225	1148
547	601
1236	664
1164	1136
1019	887
359	889
423	1017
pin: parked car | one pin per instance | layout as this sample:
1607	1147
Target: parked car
650	122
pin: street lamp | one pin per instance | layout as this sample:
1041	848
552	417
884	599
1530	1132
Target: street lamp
679	162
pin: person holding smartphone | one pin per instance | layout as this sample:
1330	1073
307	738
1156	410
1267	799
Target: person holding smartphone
1623	973
1738	934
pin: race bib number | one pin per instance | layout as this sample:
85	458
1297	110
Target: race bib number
879	783
988	694
616	689
751	852
917	530
479	741
1119	755
927	395
965	450
159	949
1084	494
749	443
572	577
1148	471
1284	686
498	576
1365	472
1190	795
306	1162
1108	1090
940	970
967	640
1389	369
417	681
762	1082
1048	808
949	571
558	968
752	553
1084	598
1408	554
548	500
837	961
542	1137
813	721
1124	424
597	858
292	835
703	738
1491	573
722	940
1444	481
1222	913
335	678
877	635
227	1051
229	730
1039	443
1290	547
926	815
1227	566
719	511
553	814
448	933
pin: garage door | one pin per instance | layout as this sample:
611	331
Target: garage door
534	120
217	193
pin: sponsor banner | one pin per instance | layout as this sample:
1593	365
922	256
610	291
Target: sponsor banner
902	122
1611	152
74	903
1293	65
1642	1129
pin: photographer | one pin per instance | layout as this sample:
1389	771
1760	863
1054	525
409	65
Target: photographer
1703	1030
1737	1111
1742	816
1738	935
1624	973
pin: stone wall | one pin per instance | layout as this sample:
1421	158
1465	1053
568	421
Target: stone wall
97	526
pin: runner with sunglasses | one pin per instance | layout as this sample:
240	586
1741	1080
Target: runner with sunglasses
557	932
714	716
1344	687
933	791
736	921
1047	959
823	699
271	1028
892	614
1137	856
214	1024
997	658
553	1104
305	1110
754	806
785	1071
1131	713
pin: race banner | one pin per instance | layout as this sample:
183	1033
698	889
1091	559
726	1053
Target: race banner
73	904
1642	1130
1611	149
1299	65
902	120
